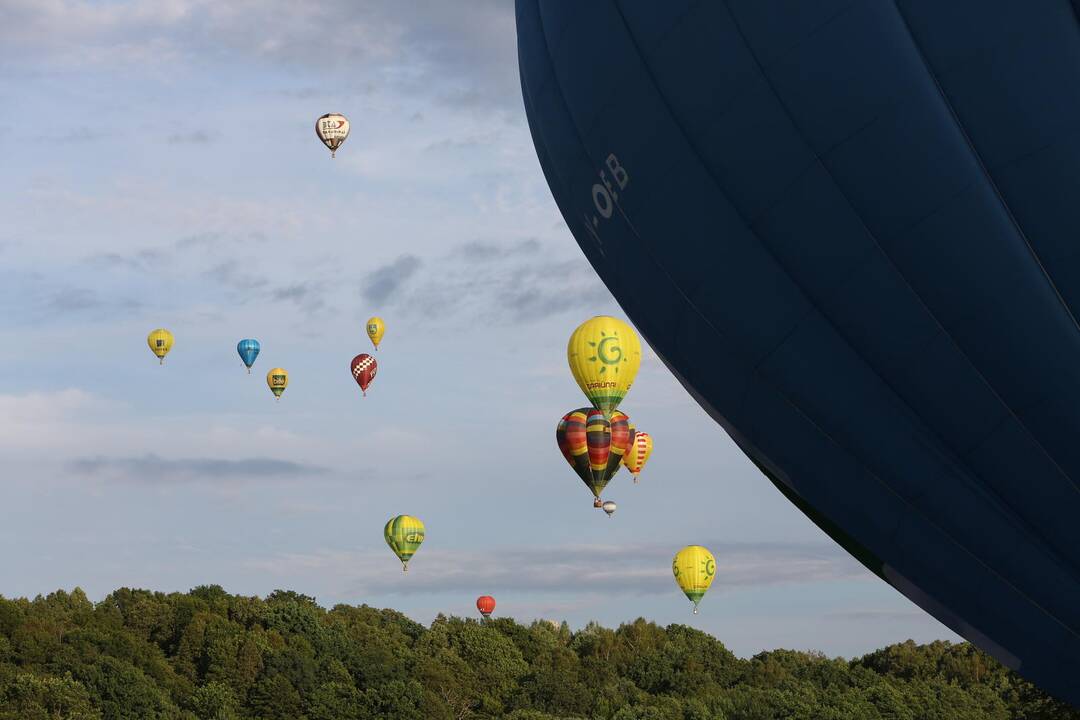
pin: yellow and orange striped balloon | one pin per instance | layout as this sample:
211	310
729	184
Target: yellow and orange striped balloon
638	453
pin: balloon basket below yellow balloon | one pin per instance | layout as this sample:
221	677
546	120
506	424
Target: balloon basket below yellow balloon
161	361
404	567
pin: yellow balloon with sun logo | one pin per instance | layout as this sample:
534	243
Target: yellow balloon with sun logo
604	355
277	380
694	567
160	342
375	329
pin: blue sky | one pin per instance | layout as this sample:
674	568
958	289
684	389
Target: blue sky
159	168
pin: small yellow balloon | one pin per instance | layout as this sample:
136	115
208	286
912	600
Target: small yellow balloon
160	342
278	380
604	355
694	567
375	329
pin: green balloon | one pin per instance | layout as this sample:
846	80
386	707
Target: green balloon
404	534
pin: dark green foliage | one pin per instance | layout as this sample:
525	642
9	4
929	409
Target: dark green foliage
208	655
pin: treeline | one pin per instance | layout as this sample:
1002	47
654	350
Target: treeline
208	655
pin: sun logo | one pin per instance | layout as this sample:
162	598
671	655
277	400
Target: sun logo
608	352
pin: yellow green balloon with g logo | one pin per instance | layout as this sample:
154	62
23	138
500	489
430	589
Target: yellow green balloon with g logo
404	534
694	567
604	355
160	342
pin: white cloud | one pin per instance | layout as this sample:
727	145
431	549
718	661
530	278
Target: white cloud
104	433
460	53
43	420
153	469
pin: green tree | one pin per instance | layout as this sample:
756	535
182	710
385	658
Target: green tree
27	697
214	701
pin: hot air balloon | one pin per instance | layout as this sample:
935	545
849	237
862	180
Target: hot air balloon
486	605
851	235
248	350
637	454
593	446
404	534
694	568
363	368
277	379
375	329
160	342
604	355
332	129
609	507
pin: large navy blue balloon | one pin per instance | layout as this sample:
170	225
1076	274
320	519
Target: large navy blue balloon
852	230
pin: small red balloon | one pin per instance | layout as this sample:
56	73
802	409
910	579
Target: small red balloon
486	605
364	368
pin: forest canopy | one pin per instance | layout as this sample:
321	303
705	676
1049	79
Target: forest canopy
209	655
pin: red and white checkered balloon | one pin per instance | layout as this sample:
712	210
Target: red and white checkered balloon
364	368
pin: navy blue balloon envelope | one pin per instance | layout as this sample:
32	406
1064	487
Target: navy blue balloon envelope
248	350
852	230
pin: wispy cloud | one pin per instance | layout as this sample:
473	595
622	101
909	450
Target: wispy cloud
81	135
487	251
66	301
72	299
154	469
879	616
236	276
307	296
138	260
382	284
514	281
194	137
640	569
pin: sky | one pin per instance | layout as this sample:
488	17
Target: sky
159	168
